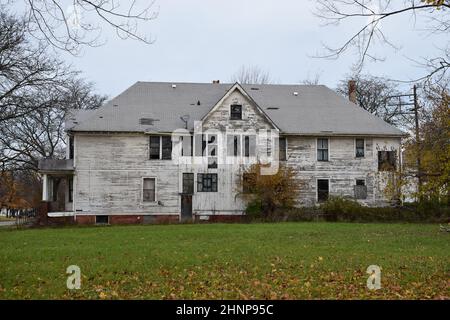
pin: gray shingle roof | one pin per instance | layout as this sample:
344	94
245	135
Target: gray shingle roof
315	110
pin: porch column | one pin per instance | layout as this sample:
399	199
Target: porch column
44	187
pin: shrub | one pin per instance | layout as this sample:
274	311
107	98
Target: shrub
339	208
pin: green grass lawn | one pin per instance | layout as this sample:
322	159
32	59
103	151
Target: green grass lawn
229	261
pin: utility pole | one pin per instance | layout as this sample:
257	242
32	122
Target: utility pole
418	148
415	112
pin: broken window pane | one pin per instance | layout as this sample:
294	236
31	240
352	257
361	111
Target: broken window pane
359	148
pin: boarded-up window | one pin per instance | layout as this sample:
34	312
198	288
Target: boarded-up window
282	147
322	190
360	189
207	182
154	147
149	190
236	112
359	148
322	149
386	160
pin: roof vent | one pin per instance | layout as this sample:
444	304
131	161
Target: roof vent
295	93
174	86
273	108
216	81
253	88
198	102
146	121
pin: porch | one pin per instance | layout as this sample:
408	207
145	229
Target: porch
57	186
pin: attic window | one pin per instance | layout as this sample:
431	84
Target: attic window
146	121
236	112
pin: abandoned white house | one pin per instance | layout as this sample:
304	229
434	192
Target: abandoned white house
176	151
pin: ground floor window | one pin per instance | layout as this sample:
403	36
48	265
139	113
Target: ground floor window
360	189
149	190
207	182
322	190
101	219
70	189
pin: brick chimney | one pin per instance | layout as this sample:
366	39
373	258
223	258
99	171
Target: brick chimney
216	81
352	91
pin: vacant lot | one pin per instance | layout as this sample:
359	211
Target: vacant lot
242	261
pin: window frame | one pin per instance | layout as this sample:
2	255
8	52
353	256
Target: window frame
363	185
191	138
201	178
70	187
328	149
156	190
363	148
284	158
183	191
232	112
317	189
160	147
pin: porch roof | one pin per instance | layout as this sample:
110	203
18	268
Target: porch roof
56	166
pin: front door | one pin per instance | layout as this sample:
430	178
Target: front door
186	207
186	196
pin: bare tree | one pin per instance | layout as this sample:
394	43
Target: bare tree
25	71
25	140
80	24
373	94
371	13
251	75
311	80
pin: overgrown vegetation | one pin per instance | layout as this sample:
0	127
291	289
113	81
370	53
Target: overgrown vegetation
348	210
268	193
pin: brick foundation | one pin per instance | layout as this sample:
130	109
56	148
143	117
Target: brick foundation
126	219
85	219
129	219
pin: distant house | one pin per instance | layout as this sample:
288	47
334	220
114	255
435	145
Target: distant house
175	151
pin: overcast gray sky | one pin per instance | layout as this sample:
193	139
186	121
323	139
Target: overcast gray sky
202	40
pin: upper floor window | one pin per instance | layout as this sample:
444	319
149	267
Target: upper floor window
386	160
187	146
236	112
322	149
283	149
249	145
71	147
160	147
359	144
234	145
